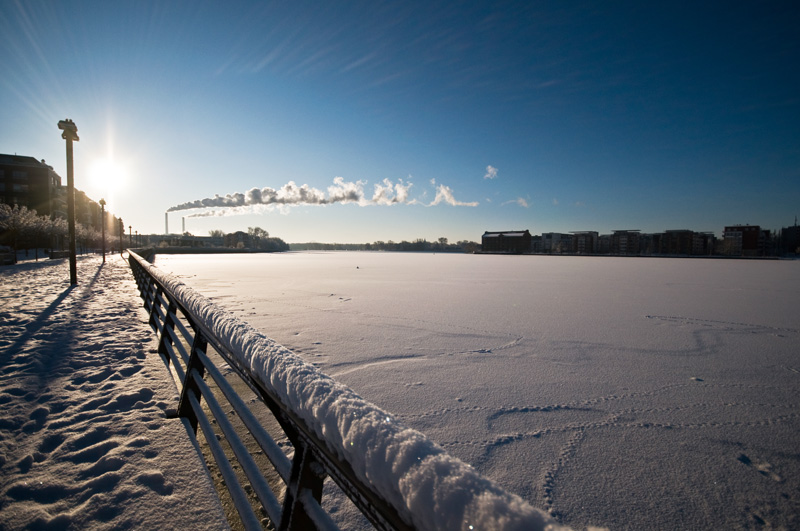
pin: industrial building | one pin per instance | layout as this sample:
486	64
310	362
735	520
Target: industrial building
514	241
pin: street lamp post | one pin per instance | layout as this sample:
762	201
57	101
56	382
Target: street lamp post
70	134
103	225
121	236
130	235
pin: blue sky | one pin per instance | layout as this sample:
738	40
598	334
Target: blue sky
551	116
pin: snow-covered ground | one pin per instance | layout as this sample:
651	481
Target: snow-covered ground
430	489
622	392
84	442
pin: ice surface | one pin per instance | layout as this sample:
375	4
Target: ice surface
84	442
624	392
407	469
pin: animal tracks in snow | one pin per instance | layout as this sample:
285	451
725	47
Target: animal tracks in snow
553	434
709	325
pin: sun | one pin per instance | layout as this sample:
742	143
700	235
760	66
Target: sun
107	175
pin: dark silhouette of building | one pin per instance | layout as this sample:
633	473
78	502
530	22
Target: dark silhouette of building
556	243
27	182
703	243
625	242
745	240
650	243
238	240
585	242
677	242
790	239
515	241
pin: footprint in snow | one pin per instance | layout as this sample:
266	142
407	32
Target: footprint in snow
155	481
762	467
51	442
93	453
130	371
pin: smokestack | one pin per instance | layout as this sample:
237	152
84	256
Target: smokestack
166	223
183	225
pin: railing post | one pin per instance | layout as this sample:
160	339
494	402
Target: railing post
154	304
142	278
137	274
189	386
145	287
169	324
307	474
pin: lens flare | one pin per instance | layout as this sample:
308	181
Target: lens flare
107	178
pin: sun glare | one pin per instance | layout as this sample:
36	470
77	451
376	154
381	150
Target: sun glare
107	175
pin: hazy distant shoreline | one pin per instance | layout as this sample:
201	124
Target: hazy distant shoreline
207	250
224	250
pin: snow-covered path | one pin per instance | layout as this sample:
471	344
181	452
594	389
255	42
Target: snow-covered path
84	441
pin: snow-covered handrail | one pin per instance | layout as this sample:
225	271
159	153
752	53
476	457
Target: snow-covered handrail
397	477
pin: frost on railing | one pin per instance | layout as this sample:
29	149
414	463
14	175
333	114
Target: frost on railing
319	429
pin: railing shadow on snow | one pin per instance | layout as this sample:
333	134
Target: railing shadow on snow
396	477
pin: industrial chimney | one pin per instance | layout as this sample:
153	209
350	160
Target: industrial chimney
166	223
183	225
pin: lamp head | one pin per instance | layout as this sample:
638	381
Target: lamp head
69	128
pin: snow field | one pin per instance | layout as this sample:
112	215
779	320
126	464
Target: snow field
621	392
431	489
84	442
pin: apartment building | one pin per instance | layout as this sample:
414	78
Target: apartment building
28	182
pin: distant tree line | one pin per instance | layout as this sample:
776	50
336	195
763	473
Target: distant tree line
255	238
23	229
419	245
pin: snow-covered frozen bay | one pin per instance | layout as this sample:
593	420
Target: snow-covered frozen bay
622	392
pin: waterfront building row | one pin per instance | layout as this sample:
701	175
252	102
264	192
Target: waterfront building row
736	240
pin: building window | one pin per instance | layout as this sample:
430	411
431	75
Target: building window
20	187
20	174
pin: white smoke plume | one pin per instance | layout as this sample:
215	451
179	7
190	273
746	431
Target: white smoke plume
344	192
388	193
217	213
445	194
291	194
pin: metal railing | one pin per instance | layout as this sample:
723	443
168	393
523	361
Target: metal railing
183	343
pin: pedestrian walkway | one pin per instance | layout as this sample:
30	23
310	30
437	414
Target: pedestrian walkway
84	440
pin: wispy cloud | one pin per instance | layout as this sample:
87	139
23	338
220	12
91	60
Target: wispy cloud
491	172
555	201
521	201
359	62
